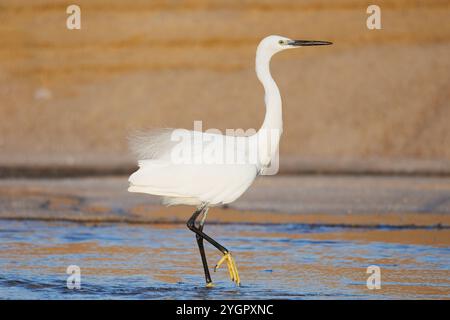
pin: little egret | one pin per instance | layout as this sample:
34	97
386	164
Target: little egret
183	167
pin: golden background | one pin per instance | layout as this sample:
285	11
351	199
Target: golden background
73	96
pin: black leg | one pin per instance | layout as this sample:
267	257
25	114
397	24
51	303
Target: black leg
193	228
200	235
202	251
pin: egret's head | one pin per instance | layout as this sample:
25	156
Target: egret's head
274	44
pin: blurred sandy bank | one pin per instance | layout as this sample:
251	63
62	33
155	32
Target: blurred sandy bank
68	96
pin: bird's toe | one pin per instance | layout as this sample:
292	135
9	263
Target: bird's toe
232	268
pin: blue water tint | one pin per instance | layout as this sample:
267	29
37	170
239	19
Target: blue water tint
120	261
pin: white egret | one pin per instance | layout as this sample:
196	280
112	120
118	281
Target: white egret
176	164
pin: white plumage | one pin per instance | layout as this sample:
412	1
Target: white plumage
204	176
196	180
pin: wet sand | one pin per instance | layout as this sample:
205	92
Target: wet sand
311	199
314	241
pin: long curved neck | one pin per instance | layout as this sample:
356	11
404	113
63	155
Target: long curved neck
270	132
273	118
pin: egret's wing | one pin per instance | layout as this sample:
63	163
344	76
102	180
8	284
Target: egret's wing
161	172
208	183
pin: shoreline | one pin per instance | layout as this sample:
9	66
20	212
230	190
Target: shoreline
98	166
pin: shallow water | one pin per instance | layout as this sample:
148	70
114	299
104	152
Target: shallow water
161	261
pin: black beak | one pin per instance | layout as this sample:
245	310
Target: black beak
304	43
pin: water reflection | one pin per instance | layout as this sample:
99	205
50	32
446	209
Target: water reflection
120	261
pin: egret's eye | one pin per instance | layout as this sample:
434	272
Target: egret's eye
281	42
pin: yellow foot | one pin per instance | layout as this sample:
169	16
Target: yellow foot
232	269
210	285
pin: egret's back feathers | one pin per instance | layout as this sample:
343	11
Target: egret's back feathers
151	144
